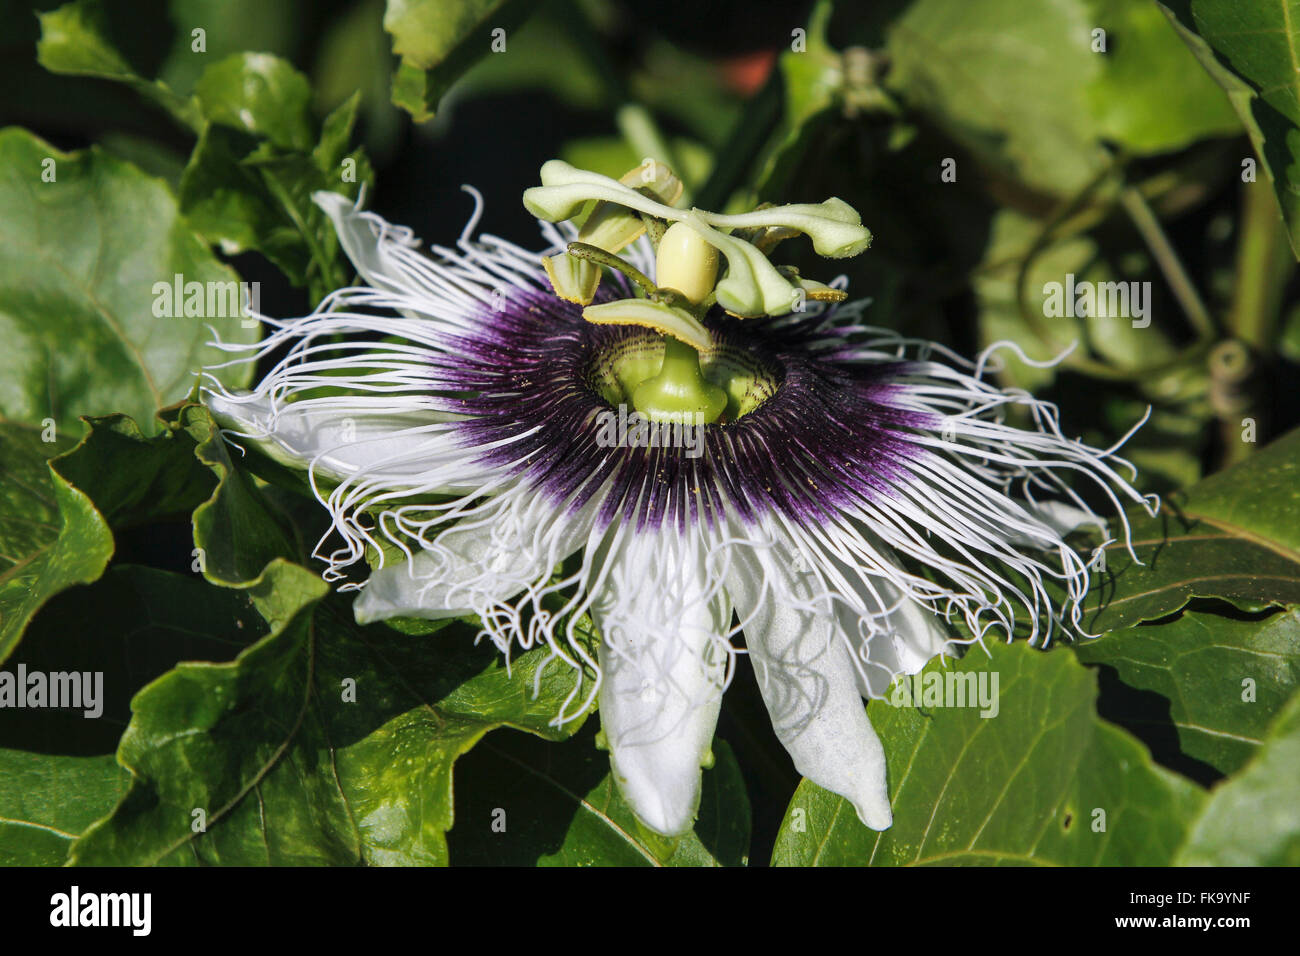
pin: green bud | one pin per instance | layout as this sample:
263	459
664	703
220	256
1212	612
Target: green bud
686	263
752	285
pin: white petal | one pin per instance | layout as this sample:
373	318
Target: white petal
478	565
432	587
663	669
808	681
359	235
1063	517
891	634
344	441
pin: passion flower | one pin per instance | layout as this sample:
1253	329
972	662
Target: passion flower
855	497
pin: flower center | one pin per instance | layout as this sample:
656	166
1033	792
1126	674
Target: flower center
634	357
676	383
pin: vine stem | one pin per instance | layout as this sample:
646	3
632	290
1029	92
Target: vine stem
1264	264
1135	204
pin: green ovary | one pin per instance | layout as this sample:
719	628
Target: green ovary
733	381
680	392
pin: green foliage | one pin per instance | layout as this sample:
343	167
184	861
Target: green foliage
569	812
1251	50
1219	679
47	800
53	537
1253	819
286	765
74	40
1036	89
1020	787
259	156
438	40
992	148
79	301
1233	537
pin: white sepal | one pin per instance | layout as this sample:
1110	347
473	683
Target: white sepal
809	683
664	661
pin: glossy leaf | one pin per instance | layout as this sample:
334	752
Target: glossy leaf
57	520
237	529
51	536
1028	786
286	766
249	193
90	252
1220	680
1251	50
1253	818
57	769
1233	536
46	800
528	802
261	95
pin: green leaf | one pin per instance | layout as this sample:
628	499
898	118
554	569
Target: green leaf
249	180
1026	89
1022	787
287	768
354	59
230	26
1151	95
1007	80
261	95
1011	240
1198	663
560	807
535	47
1252	50
237	530
74	40
1234	536
813	85
1258	500
438	40
249	193
446	696
57	770
146	620
51	536
1253	818
85	259
133	478
55	521
46	800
